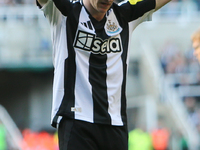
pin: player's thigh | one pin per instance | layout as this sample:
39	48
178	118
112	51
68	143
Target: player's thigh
117	137
76	135
64	130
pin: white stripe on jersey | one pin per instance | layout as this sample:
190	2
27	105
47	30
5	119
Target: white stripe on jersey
83	95
114	80
83	92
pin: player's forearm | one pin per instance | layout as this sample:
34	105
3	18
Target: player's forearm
42	2
161	3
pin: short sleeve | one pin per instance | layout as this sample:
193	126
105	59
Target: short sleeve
134	9
64	6
52	14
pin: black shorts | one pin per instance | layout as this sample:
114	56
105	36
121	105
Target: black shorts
80	135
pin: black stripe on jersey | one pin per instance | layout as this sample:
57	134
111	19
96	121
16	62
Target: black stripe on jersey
124	38
123	90
98	76
70	66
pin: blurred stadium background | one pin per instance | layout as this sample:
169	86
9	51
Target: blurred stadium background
163	87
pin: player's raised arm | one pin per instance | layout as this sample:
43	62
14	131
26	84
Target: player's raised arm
160	3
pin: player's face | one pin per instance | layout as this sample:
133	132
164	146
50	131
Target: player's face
101	6
196	46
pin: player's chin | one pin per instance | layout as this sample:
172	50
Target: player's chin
104	9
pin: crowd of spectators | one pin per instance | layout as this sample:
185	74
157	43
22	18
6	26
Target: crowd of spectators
156	139
174	4
185	69
178	8
39	140
21	2
174	60
15	2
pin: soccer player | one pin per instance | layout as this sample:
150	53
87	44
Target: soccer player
196	43
91	42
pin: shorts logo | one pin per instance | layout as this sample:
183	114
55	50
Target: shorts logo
88	42
76	109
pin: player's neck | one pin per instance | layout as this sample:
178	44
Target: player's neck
98	15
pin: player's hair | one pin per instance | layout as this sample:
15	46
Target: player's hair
196	35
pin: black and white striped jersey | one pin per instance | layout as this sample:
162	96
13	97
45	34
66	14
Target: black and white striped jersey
90	58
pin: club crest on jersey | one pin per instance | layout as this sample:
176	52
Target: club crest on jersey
112	28
88	42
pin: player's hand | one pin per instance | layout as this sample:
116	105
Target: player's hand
197	54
